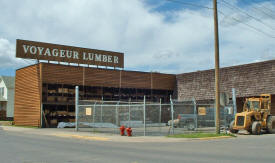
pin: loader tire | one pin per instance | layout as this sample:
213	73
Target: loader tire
231	128
256	128
271	124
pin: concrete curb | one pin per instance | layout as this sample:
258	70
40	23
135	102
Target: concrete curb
211	138
82	137
102	137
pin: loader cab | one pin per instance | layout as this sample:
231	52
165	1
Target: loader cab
258	104
252	104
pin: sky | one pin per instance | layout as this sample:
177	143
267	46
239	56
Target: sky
154	35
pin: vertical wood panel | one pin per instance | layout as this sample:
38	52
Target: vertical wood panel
27	96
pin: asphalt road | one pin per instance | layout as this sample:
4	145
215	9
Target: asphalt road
16	147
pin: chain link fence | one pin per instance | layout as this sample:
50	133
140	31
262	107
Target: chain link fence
150	119
193	116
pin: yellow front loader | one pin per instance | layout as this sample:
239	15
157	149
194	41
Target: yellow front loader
255	116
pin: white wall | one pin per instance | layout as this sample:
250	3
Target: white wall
10	104
2	84
9	95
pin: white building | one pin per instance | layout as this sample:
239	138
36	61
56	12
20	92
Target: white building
7	96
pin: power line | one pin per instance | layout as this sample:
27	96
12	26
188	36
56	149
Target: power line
190	4
235	19
256	29
237	8
259	9
270	10
264	11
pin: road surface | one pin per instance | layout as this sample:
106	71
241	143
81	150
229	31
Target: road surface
16	147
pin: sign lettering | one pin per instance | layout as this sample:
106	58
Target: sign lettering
61	53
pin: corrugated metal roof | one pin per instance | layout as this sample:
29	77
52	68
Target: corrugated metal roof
8	80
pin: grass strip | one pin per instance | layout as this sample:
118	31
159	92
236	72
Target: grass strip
199	135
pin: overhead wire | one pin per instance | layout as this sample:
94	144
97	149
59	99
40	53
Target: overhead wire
259	9
235	19
190	4
262	6
242	11
256	29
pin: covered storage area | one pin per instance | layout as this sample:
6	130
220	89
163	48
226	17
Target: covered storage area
45	92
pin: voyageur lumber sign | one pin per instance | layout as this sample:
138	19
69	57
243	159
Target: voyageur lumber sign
62	53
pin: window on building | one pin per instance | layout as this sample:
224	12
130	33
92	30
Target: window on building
2	91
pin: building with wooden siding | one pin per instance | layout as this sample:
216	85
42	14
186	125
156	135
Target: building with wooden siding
45	91
249	80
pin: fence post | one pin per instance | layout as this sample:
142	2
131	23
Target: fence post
117	115
234	101
195	112
129	114
76	107
225	118
172	114
144	115
101	111
160	110
94	111
215	114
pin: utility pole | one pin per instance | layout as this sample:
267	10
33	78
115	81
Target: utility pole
217	67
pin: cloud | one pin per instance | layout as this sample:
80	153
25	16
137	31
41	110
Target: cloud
171	41
7	55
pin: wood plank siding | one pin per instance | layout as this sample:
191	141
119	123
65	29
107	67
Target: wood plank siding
50	85
27	96
248	80
72	75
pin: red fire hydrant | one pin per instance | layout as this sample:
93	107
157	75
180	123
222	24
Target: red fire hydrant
122	129
129	131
